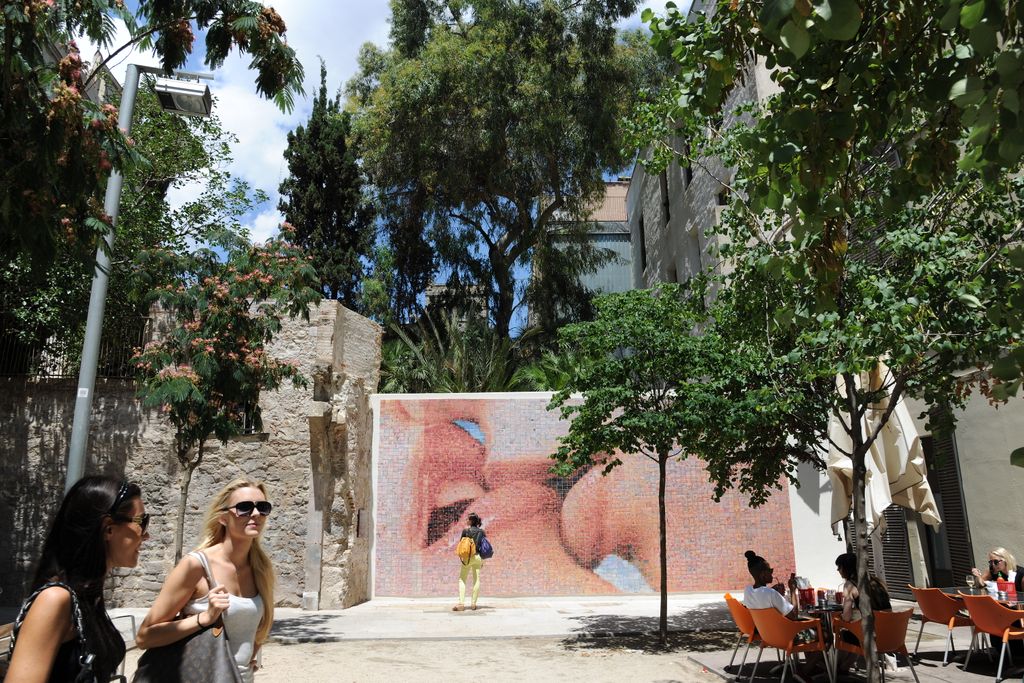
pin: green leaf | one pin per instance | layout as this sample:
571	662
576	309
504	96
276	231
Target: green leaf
795	38
951	17
972	13
1006	369
967	91
783	153
840	19
1017	457
1016	256
1011	101
983	39
774	12
970	300
1007	64
1011	147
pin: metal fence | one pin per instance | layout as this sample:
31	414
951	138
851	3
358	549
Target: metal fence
46	355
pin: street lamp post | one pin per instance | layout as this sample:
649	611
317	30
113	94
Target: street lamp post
181	97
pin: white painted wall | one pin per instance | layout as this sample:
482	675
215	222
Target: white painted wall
814	545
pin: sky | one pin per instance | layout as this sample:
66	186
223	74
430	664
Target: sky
261	128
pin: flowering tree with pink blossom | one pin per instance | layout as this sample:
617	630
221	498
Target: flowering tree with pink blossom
58	146
207	373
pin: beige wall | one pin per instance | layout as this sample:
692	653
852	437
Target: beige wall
314	456
993	488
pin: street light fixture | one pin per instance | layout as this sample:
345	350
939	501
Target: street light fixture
180	96
184	97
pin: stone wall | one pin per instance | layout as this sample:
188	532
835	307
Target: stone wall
313	455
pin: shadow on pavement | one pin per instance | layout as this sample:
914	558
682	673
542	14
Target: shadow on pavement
701	629
309	628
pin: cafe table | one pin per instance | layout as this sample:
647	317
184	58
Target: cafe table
955	591
824	614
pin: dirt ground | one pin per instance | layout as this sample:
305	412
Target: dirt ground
615	660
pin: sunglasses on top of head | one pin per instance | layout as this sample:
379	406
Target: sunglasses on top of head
247	507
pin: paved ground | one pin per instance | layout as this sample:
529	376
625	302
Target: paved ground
536	639
403	618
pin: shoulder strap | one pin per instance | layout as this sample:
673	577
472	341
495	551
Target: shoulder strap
86	657
210	581
201	556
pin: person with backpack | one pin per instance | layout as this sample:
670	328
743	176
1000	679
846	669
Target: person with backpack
473	546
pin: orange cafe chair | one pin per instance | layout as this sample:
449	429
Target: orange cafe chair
992	618
890	636
745	623
940	608
780	633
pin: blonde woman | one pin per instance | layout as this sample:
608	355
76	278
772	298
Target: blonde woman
1001	565
244	590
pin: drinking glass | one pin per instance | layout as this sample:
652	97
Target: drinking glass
969	580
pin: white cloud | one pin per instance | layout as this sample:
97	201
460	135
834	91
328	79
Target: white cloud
263	226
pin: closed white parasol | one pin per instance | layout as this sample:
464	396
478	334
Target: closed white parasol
895	462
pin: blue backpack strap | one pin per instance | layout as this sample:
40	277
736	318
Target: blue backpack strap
86	659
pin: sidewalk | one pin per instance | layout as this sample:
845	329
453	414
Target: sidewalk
433	618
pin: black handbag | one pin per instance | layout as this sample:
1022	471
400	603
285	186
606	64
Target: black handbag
86	658
203	657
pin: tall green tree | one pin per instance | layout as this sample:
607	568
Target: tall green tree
642	373
208	373
875	208
57	146
323	198
486	121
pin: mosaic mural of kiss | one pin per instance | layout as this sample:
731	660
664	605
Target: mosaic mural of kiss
437	460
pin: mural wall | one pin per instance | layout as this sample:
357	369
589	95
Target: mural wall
438	459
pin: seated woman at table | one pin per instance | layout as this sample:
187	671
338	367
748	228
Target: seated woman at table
846	565
762	595
878	596
1001	566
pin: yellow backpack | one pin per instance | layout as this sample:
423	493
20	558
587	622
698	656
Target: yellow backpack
466	549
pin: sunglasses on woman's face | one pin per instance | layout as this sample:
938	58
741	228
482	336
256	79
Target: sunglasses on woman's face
246	508
141	520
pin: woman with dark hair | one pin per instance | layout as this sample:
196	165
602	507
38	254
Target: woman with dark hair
63	632
878	594
762	595
475	532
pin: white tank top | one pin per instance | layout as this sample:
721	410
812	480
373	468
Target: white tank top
241	619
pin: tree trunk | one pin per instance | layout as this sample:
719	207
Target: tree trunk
860	532
179	530
505	287
187	468
663	547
